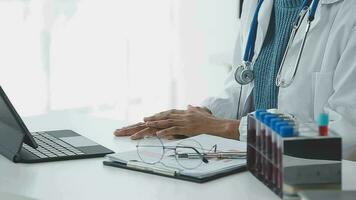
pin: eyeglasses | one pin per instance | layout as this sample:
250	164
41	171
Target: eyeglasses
151	150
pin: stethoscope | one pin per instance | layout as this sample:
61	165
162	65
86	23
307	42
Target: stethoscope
244	73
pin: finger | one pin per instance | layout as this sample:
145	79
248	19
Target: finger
169	137
199	109
167	116
191	107
132	128
175	130
195	108
180	136
205	109
129	131
163	115
133	125
174	137
163	124
144	132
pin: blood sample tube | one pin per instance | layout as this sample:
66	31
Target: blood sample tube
277	154
268	141
257	143
274	150
258	126
268	148
262	142
284	131
293	123
323	122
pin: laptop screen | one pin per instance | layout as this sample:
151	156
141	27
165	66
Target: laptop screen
7	119
12	129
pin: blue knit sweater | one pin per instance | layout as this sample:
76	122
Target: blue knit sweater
283	15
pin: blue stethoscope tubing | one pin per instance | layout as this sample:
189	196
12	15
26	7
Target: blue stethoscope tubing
244	73
251	40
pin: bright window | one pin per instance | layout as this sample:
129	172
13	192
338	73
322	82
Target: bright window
121	58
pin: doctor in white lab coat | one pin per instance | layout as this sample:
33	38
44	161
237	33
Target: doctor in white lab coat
325	80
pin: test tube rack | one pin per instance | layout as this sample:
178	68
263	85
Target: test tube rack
308	161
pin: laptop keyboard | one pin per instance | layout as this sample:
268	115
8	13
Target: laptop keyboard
50	147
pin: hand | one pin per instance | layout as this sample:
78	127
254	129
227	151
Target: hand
191	122
137	131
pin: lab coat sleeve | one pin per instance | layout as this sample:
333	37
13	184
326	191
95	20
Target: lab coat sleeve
225	105
341	105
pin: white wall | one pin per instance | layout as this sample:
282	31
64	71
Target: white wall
123	58
207	32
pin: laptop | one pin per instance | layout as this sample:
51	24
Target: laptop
19	145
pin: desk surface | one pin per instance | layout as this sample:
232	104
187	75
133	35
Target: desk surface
89	179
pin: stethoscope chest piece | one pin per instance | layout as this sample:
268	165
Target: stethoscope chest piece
244	74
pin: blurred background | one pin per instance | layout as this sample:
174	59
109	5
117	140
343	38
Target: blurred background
122	59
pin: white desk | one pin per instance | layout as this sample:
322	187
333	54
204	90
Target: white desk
89	179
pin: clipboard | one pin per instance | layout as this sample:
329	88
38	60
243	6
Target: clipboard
216	168
175	175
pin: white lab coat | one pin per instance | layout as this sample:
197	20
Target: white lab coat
326	78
